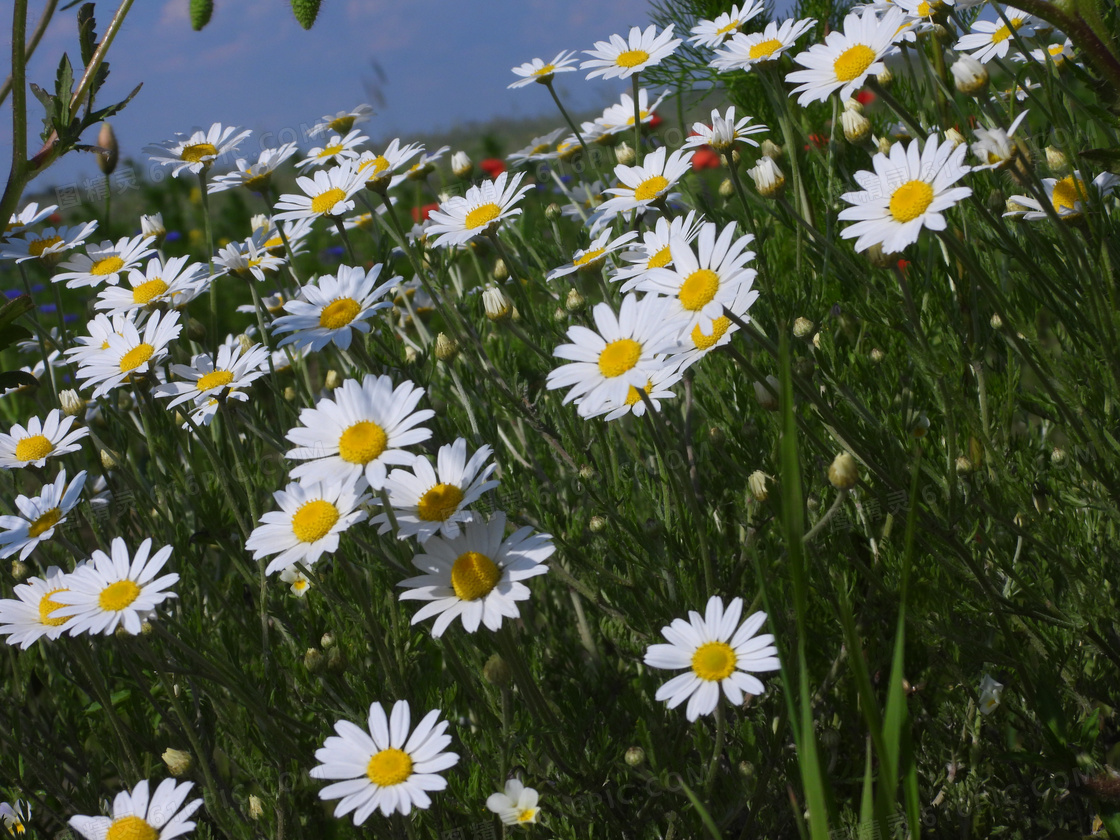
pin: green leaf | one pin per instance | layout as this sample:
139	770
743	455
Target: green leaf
48	106
63	89
1109	158
705	817
87	33
14	308
200	13
12	333
105	113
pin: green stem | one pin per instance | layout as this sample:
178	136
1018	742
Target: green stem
338	223
637	121
568	120
29	50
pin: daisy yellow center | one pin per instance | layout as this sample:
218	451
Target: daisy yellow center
1067	192
731	27
439	503
650	188
527	815
323	202
540	149
301	584
1003	33
482	216
633	396
131	828
1056	50
330	150
314	520
660	259
255	183
115	597
474	575
341	125
195	153
215	379
544	71
698	289
337	314
33	448
619	356
274	242
923	9
362	442
719	327
714	661
146	291
136	357
853	62
37	247
910	200
44	523
589	257
642	114
109	265
763	49
47	606
632	58
378	164
389	767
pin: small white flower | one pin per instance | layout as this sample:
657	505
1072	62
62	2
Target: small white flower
516	806
990	692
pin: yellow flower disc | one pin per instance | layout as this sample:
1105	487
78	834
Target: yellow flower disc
215	379
482	216
337	314
146	291
474	575
314	520
362	442
1003	33
763	49
136	357
714	661
853	62
719	327
117	596
323	202
632	58
33	448
47	606
37	247
389	767
439	503
910	200
660	259
1067	192
651	188
619	356
45	522
698	289
195	153
109	265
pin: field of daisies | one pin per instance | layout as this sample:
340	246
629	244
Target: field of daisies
741	462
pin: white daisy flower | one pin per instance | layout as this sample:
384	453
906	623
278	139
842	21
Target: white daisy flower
700	285
138	816
994	146
39	516
16	817
426	164
745	50
152	226
327	193
255	177
1058	53
29	215
626	350
484	207
128	354
248	259
30	615
331	308
537	71
594	255
385	171
539	148
204	378
724	132
907	192
337	150
990	691
266	236
990	39
622	58
362	429
718	652
696	345
107	592
657	388
643	185
517	805
476	576
713	33
342	122
46	245
386	768
297	581
309	521
196	152
31	446
430	501
1067	196
173	283
847	57
653	251
104	263
619	117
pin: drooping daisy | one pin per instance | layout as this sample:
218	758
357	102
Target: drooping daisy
255	177
118	590
430	501
16	817
386	768
337	150
653	251
31	446
537	71
713	33
196	152
624	352
173	283
745	50
847	57
643	185
517	805
426	164
990	39
104	263
695	346
539	149
476	576
136	816
204	378
128	354
994	146
385	170
359	431
39	516
327	193
619	117
47	245
29	616
594	255
484	207
724	132
1067	196
330	309
342	122
908	191
622	58
718	652
309	521
29	215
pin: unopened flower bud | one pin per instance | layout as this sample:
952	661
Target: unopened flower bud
879	259
153	226
553	212
335	659
767	396
586	472
461	165
717	435
843	472
768	178
771	150
884	144
877	355
851	104
327	641
964	465
885	78
108	460
289	393
178	762
726	188
575	302
857	127
446	348
803	328
635	756
498	307
313	660
256	808
597	524
1015	207
410	354
919	427
624	154
20	570
497	672
1057	160
332	380
970	76
500	271
954	137
757	484
1058	456
107	140
559	315
72	404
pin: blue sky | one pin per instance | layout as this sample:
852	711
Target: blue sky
438	64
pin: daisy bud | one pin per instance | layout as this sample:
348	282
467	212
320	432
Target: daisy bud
335	660
736	158
624	154
498	307
885	78
1057	161
768	179
853	105
313	660
553	212
410	354
771	150
1015	207
289	393
757	484
717	435
878	259
812	503
446	348
970	76
461	165
332	380
877	355
72	404
586	472
844	472
767	397
1058	456
635	756
256	808
306	11
597	524
919	427
500	271
884	144
726	188
559	315
816	341
857	127
575	302
746	769
107	158
803	328
990	691
178	762
954	137
327	641
108	460
20	570
153	226
497	672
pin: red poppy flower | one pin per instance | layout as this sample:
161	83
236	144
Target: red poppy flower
818	140
54	218
654	120
423	212
705	158
902	264
492	166
865	97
